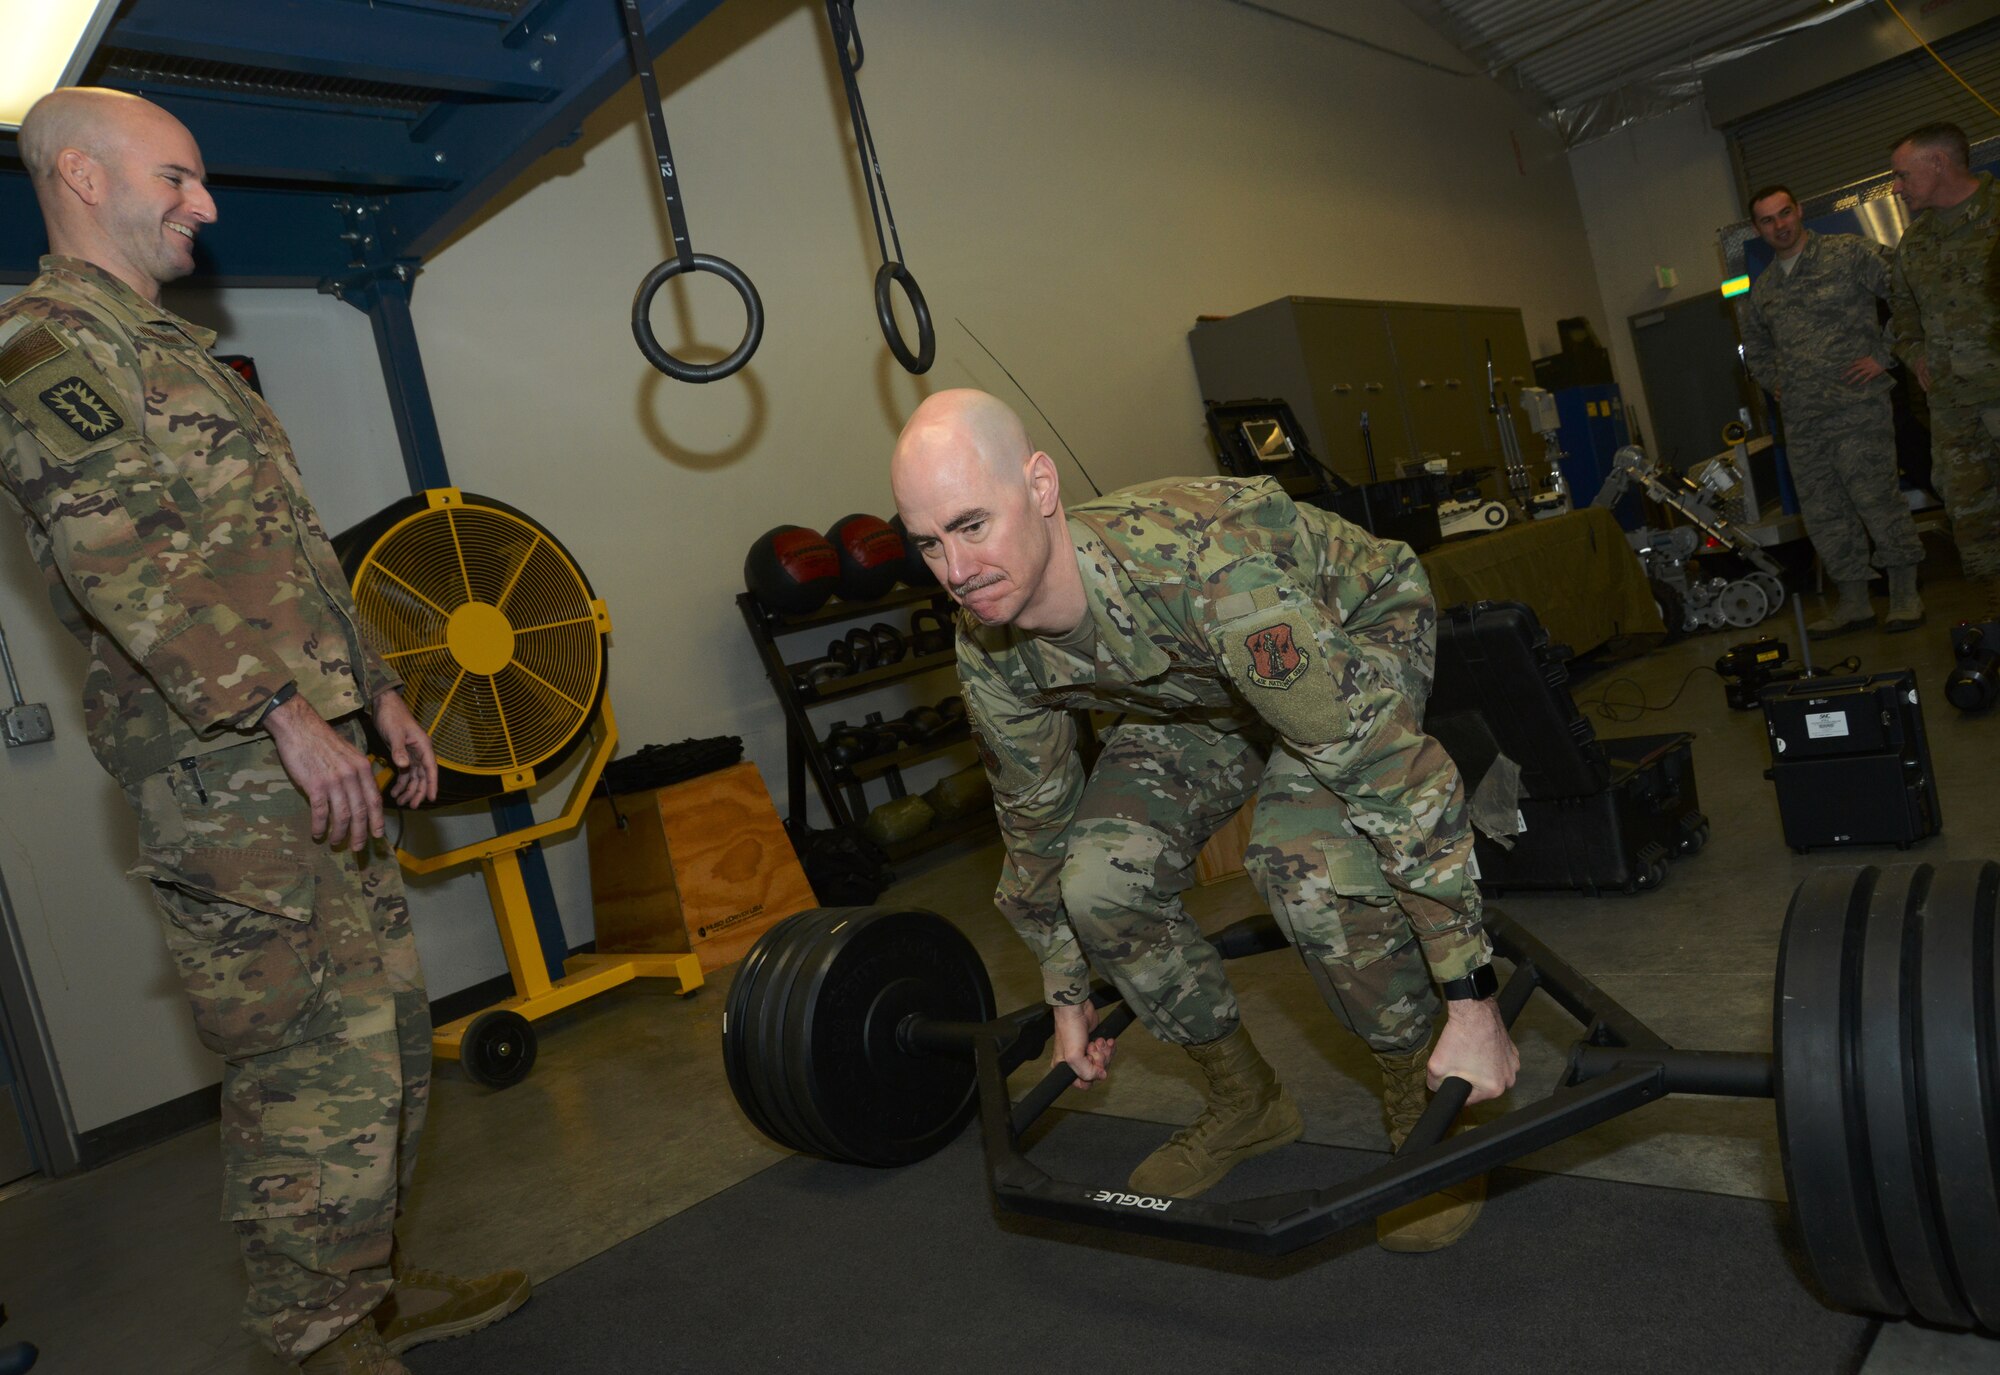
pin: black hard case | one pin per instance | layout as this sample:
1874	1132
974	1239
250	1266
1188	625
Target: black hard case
1851	761
1601	814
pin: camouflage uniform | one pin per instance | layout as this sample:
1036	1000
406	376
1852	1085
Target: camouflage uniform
1801	331
1944	298
162	501
1253	649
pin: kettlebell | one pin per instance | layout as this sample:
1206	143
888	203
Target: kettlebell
890	646
925	723
952	711
847	745
930	632
815	673
855	653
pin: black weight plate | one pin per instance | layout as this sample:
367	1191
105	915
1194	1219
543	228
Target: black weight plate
768	1066
754	1047
779	1071
1958	1107
745	1035
1820	1131
877	1103
739	1047
800	1068
1885	1058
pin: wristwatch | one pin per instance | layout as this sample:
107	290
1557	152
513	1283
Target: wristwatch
1480	984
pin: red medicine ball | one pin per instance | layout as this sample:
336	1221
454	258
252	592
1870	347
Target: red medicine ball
871	556
792	570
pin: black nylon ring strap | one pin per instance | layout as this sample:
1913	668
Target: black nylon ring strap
847	48
685	259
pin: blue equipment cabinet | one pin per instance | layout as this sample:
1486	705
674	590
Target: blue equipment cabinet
1593	429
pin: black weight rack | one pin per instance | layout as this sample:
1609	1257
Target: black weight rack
842	790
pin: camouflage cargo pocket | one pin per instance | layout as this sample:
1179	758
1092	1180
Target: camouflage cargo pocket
277	1186
257	975
1372	920
1354	870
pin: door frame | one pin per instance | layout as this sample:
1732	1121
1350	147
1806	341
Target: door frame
24	1040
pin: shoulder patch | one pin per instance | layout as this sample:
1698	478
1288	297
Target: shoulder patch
1276	658
29	351
76	403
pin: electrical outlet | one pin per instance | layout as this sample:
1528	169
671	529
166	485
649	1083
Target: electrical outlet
27	724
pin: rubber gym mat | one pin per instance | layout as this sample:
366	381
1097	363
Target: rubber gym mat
812	1266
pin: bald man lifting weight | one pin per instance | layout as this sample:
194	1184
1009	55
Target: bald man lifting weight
1253	649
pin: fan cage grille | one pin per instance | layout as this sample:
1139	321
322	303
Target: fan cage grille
428	566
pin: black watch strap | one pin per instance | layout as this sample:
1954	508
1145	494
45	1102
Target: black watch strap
1480	984
276	700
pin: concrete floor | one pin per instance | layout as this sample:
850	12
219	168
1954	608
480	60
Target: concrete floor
627	1117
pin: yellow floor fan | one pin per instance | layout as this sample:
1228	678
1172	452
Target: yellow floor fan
503	650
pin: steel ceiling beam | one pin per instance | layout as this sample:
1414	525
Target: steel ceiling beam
492	144
510	87
460	55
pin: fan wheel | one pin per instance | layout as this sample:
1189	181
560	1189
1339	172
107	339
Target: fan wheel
500	641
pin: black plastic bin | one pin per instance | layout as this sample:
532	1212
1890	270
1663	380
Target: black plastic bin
1600	814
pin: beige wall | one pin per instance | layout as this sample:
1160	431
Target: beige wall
1076	182
1077	186
1654	194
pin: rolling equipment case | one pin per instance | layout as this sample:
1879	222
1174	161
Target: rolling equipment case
1596	814
1851	761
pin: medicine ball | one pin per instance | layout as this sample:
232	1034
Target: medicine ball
917	571
792	570
871	556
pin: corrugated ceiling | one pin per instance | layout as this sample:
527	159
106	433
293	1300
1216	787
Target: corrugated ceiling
1563	53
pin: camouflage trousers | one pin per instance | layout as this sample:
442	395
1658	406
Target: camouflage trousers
1965	470
1843	464
1159	790
301	971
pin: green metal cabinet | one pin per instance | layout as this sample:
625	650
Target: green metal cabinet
1418	371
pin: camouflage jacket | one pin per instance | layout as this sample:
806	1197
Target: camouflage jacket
1945	293
162	501
1802	329
1218	599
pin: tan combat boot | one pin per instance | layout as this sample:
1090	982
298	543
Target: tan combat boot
426	1306
1906	608
1248	1113
1852	611
357	1351
1433	1223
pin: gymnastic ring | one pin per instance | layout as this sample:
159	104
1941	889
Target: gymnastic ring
885	312
677	368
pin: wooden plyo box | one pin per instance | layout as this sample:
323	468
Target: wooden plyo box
1222	857
701	866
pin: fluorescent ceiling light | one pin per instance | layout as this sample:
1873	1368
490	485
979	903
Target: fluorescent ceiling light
48	43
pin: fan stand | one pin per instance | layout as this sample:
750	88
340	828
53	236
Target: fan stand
497	1044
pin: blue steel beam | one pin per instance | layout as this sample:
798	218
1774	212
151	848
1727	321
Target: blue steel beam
280	233
304	148
381	287
460	54
263	236
492	144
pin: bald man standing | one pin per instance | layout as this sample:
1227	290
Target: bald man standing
228	678
1252	649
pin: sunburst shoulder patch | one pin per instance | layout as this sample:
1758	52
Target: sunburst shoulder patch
76	403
